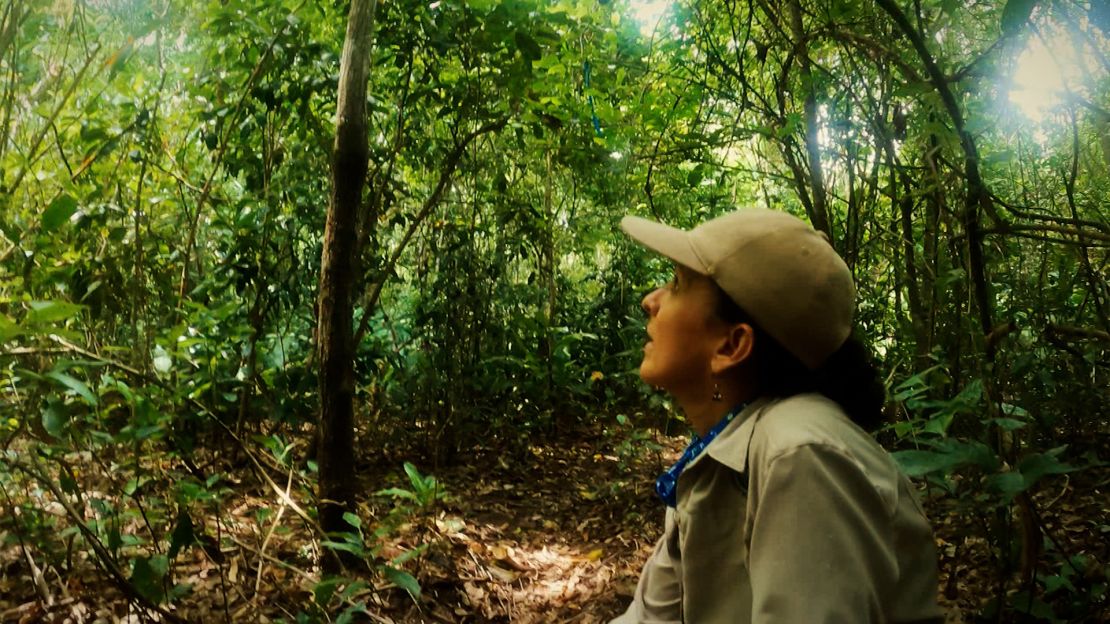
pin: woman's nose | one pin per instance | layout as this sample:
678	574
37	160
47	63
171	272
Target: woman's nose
650	303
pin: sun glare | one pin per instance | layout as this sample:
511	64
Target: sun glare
647	13
1045	70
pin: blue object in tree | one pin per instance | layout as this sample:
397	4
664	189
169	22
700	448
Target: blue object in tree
589	98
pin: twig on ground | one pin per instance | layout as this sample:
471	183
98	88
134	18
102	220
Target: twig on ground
39	580
223	576
272	559
1063	491
270	533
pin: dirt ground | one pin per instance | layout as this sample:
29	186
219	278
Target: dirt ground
554	533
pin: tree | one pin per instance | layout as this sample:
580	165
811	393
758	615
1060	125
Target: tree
339	272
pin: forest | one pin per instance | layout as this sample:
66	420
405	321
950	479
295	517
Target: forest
320	311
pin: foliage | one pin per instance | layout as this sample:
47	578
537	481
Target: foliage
163	168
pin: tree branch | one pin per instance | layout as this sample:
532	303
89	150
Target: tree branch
977	195
450	163
32	152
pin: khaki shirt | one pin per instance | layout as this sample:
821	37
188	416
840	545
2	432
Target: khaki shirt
792	514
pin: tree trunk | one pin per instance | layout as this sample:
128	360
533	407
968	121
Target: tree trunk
335	303
547	264
935	206
820	212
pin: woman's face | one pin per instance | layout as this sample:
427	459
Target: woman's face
683	333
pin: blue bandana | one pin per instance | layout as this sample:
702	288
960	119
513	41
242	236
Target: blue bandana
666	486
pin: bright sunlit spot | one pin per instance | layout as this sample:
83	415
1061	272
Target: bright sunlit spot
1044	73
647	13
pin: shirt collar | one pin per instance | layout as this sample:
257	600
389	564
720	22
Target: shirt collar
730	447
666	486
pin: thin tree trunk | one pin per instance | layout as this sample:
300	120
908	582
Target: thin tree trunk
1095	287
913	293
820	213
446	171
976	196
851	222
14	19
334	334
547	262
934	208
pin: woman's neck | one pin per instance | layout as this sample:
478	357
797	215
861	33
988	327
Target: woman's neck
702	417
702	412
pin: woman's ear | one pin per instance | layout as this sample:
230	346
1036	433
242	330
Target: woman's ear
735	348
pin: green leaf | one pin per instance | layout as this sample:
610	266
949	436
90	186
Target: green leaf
58	212
144	432
353	589
919	463
179	591
409	555
1039	465
1055	582
325	589
115	540
397	493
842	9
949	7
9	329
481	6
1007	483
528	47
54	418
1031	605
404	580
415	477
182	536
947	456
912	89
939	424
352	519
354	549
146	578
133	486
69	485
43	312
74	384
1009	424
1016	14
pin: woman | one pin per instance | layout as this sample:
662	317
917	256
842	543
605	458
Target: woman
783	508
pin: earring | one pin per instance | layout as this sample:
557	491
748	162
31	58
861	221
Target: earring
716	391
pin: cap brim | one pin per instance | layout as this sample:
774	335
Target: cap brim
671	242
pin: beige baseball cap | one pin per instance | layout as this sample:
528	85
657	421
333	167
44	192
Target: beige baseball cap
775	266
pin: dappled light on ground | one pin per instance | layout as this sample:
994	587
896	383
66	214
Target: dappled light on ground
556	533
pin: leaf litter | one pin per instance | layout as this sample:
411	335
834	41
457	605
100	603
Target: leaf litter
558	533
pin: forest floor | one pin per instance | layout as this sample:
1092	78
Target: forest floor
554	533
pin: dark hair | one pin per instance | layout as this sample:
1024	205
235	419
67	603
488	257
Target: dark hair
848	377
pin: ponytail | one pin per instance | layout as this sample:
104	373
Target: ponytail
848	377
